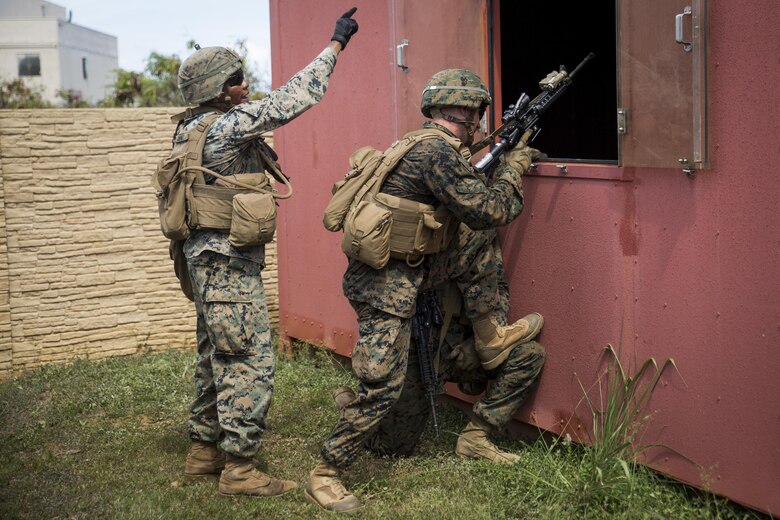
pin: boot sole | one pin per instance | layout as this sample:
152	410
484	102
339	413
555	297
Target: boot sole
476	456
311	499
203	476
466	456
240	494
531	334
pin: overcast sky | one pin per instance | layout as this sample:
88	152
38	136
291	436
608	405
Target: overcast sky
165	26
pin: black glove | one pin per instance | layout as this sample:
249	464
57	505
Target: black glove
345	28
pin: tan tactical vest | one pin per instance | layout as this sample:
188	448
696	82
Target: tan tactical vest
378	226
241	204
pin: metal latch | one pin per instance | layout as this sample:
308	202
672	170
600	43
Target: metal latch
400	54
687	168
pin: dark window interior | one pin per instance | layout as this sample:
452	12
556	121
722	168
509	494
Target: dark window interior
30	65
538	37
84	67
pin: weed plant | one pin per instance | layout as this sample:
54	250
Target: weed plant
608	472
620	417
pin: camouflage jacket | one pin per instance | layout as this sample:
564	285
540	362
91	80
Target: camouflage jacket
433	172
234	140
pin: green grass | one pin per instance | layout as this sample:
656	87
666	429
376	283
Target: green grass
619	405
108	440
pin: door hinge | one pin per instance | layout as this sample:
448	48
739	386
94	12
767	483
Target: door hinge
622	122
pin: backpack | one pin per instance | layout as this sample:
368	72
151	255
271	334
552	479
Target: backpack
171	183
378	226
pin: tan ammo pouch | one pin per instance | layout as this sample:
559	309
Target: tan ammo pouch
367	234
378	226
364	163
417	229
386	226
241	204
254	219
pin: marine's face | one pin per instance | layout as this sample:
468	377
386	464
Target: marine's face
237	88
470	118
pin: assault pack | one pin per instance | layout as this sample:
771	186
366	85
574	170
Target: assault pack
378	226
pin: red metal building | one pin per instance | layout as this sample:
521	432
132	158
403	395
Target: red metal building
654	225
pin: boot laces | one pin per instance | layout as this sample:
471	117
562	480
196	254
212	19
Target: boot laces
336	486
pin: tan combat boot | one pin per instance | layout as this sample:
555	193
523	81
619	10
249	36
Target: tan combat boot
326	490
343	395
204	460
473	443
240	477
494	342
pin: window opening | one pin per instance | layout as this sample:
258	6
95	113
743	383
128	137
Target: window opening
29	65
84	67
538	37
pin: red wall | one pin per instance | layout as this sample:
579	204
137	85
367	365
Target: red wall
314	150
649	260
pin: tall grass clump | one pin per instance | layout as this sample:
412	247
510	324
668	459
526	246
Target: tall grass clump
621	415
619	406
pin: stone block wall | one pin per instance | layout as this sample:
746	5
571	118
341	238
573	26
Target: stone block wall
84	269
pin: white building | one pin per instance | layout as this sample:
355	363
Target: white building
39	44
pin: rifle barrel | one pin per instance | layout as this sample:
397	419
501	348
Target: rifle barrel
587	58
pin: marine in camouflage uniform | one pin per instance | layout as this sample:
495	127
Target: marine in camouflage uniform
400	429
234	375
505	389
384	360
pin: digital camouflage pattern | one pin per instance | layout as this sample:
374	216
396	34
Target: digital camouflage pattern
391	408
234	140
474	264
454	87
379	360
433	172
234	375
204	72
399	431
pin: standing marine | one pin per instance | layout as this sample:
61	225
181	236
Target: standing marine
436	172
234	375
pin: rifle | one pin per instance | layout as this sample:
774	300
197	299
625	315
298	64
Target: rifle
520	121
426	314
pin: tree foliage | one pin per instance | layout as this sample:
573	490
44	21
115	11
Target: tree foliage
15	93
72	98
155	86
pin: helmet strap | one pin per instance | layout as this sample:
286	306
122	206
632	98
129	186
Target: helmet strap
470	127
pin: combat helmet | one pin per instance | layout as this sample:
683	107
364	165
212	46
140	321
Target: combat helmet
454	87
204	72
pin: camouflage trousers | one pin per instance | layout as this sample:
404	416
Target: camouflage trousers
385	361
506	388
234	373
474	264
